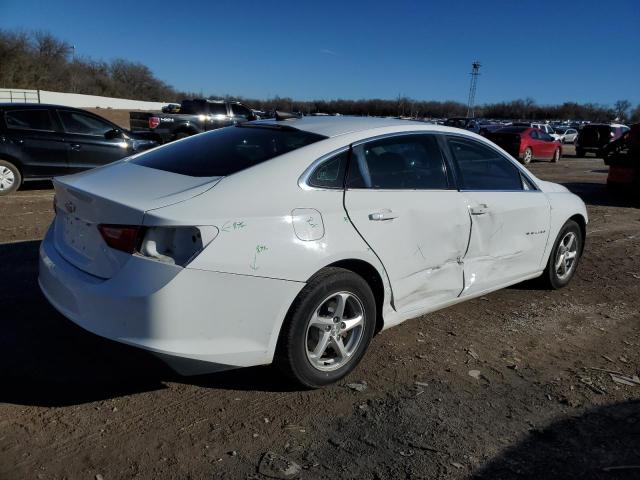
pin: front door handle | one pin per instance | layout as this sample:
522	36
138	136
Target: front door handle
479	209
75	147
382	215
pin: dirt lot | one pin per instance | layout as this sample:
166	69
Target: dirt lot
543	405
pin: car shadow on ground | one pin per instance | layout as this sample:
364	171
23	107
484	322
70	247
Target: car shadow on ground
602	443
599	194
46	360
37	185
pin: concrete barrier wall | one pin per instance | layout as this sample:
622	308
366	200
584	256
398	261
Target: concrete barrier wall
75	100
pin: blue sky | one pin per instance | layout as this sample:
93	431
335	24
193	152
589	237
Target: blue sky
552	51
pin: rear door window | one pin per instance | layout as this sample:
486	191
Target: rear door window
405	162
76	122
480	167
226	151
31	119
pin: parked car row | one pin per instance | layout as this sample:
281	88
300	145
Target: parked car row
527	141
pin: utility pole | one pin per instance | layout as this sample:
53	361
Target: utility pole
475	73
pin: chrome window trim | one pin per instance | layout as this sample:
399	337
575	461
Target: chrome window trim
516	164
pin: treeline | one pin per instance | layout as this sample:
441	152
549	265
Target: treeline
38	60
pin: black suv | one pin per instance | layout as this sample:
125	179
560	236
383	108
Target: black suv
39	141
594	137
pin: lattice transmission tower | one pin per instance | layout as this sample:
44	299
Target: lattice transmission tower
475	73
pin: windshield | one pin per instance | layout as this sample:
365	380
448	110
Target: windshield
225	151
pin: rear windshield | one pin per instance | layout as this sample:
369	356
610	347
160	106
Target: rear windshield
226	151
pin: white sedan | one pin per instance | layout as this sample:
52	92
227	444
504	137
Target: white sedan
293	240
567	135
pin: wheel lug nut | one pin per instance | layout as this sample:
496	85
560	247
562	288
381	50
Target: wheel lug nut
327	328
343	325
336	319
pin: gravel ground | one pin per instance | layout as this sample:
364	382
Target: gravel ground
516	384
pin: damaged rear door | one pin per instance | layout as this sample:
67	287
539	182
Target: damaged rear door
510	217
401	199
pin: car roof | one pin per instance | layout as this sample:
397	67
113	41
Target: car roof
29	106
330	126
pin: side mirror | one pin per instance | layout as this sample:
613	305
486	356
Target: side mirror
114	133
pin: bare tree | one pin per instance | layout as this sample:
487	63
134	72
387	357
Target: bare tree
621	107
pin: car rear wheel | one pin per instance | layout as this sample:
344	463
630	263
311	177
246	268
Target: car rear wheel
556	156
564	257
527	156
10	178
328	328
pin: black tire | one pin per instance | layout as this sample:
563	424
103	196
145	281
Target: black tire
527	156
291	353
580	152
550	278
556	156
11	171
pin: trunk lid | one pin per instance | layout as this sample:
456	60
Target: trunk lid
119	193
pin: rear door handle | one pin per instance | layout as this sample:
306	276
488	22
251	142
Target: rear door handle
75	147
382	215
479	209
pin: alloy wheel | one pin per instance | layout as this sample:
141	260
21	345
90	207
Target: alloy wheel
7	178
334	331
566	256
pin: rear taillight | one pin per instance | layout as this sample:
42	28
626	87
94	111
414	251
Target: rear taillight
172	245
175	245
121	237
154	122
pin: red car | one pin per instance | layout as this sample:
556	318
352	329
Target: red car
527	143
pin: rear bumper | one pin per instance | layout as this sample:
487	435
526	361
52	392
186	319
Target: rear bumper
196	320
